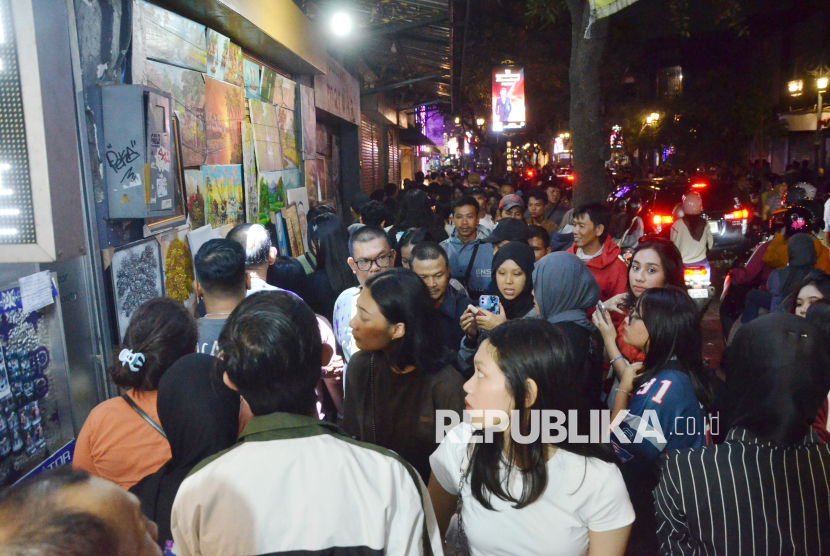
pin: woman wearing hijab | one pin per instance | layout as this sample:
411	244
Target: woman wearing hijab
564	291
784	282
691	233
200	416
767	484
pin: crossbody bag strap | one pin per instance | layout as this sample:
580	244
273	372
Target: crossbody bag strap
470	266
143	415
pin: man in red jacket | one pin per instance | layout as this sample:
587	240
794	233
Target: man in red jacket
593	245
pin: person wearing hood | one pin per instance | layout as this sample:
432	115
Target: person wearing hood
513	285
564	291
777	376
470	258
691	233
594	246
783	282
200	416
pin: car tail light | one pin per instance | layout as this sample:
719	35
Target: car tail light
570	177
700	185
695	271
737	215
662	219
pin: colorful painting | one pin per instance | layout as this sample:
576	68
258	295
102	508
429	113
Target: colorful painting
178	269
137	277
173	39
271	194
299	198
224	59
288	91
188	91
224	112
249	174
282	241
288	139
251	71
265	120
309	120
193	183
224	196
266	86
292	230
315	179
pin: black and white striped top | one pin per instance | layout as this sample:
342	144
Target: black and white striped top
745	497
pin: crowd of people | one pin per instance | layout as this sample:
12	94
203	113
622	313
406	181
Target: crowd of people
300	410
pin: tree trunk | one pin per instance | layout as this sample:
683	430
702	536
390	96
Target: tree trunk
589	142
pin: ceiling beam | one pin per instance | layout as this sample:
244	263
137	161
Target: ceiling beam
389	29
399	84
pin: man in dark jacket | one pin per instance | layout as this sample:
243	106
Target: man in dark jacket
429	261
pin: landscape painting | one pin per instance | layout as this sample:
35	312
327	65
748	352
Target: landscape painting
271	195
194	182
224	112
252	72
249	174
224	59
288	139
188	91
265	120
173	39
288	92
309	119
266	85
224	196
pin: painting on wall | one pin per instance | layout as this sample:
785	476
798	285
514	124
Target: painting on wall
287	93
224	112
188	91
315	177
249	174
271	195
137	277
266	86
224	59
251	72
299	198
195	200
224	196
292	230
309	120
265	120
282	240
288	139
173	39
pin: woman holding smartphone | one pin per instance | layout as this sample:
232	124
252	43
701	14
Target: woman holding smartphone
510	293
656	263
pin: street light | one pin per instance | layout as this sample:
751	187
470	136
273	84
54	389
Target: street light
480	122
795	87
341	24
821	84
458	120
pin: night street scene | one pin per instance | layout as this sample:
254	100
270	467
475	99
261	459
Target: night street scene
414	277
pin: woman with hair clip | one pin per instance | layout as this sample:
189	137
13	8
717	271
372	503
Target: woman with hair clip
656	263
667	396
400	377
538	496
329	240
121	440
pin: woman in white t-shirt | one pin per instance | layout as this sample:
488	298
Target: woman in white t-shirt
558	498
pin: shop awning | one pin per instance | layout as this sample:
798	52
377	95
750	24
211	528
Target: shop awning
414	138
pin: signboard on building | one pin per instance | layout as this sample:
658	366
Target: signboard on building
508	98
338	93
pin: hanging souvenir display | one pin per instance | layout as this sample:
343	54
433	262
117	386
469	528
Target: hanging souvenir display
136	277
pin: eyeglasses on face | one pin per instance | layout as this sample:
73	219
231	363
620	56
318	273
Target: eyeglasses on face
383	261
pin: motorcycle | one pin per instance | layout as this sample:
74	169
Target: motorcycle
698	278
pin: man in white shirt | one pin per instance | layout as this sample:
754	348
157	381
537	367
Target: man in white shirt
371	254
266	495
259	255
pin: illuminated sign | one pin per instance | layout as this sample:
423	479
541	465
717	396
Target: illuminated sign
508	98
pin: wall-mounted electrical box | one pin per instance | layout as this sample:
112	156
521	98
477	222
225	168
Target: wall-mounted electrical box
138	139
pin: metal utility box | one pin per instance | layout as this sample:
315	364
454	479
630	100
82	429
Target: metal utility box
138	139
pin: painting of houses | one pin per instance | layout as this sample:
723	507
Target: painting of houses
224	196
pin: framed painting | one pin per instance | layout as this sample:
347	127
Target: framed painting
171	38
292	230
224	112
136	278
249	174
224	196
224	59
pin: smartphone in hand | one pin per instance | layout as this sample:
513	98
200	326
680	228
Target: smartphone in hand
489	303
601	308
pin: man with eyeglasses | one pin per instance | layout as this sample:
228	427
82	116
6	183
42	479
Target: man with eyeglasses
370	254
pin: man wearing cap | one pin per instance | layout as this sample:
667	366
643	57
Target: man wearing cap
508	229
512	206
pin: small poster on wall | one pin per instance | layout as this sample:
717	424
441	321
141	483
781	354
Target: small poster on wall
224	196
136	277
224	59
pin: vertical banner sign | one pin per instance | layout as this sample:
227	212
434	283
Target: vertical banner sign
508	98
604	8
